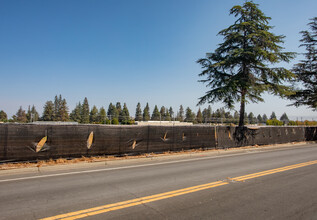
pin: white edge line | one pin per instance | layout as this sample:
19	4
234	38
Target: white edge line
134	166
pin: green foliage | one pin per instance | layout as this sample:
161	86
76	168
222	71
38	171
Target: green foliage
63	111
125	116
112	112
189	115
239	70
20	116
163	113
171	113
264	118
156	116
302	123
207	114
48	113
199	116
60	109
75	115
3	116
252	119
131	122
292	123
167	116
138	112
102	116
284	118
119	111
259	118
274	122
273	116
32	114
93	116
146	113
180	114
85	112
306	70
115	121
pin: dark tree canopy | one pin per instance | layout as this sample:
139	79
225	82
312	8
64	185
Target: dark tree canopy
156	116
238	70
138	112
85	111
146	113
48	112
3	116
306	70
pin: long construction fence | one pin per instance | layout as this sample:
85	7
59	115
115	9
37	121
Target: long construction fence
30	142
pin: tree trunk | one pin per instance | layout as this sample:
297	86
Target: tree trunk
242	109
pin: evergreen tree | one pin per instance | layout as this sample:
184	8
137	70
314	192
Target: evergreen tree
156	116
171	113
102	116
138	112
163	113
284	118
217	114
306	70
113	113
35	114
63	111
85	112
180	114
146	113
20	116
32	114
48	112
273	116
239	69
167	115
190	116
252	119
93	116
56	108
75	115
260	119
29	115
119	110
3	116
207	114
199	116
264	117
125	115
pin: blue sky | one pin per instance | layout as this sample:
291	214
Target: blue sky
127	51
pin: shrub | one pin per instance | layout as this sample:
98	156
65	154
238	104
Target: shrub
274	122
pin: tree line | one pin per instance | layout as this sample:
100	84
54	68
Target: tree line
58	110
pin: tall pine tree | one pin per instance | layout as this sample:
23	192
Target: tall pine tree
3	116
146	113
239	69
306	70
48	112
85	112
138	112
75	115
156	116
102	116
93	116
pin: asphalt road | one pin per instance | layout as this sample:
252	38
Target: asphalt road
282	185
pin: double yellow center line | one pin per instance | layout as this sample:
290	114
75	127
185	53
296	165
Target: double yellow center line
134	202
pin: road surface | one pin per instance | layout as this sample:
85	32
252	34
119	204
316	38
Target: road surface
263	183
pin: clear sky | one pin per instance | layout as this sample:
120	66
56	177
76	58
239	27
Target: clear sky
126	50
